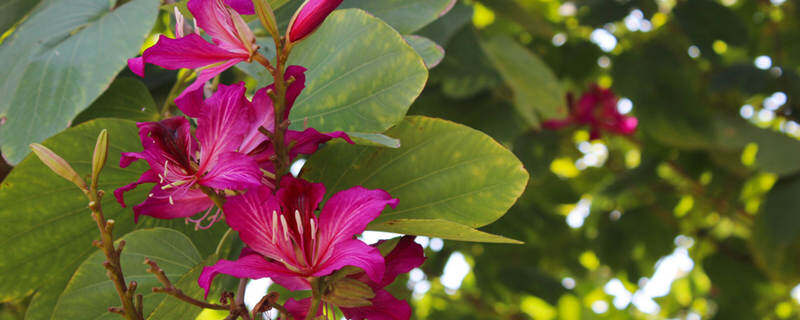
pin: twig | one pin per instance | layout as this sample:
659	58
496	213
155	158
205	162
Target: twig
170	289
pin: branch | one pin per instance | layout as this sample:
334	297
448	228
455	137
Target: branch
170	289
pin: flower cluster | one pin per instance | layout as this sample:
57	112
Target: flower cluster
596	108
221	161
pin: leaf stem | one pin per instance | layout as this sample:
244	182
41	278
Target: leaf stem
316	298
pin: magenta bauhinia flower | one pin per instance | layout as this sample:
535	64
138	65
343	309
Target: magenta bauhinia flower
233	42
309	17
596	108
180	163
405	256
288	242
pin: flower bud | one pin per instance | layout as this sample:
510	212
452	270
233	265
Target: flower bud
309	17
100	155
58	165
349	293
266	16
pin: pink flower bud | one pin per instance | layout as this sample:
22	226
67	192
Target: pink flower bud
309	17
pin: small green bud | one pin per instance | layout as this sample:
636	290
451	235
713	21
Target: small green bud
266	16
349	293
100	155
58	165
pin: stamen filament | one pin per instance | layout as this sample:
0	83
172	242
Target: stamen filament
299	223
285	228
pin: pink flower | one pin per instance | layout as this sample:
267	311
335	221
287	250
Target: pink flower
180	164
234	42
405	256
598	109
289	243
309	17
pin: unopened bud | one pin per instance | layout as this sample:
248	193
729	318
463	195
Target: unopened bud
309	17
266	16
58	165
349	293
100	155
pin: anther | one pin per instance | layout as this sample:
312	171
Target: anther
313	229
274	224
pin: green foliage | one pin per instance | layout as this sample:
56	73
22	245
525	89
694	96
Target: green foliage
90	291
15	10
430	52
59	60
469	179
126	98
406	16
362	75
537	92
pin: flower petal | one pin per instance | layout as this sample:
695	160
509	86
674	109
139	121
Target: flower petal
217	21
251	215
349	252
308	141
147	177
264	115
209	73
301	195
171	204
242	6
384	307
222	122
136	65
189	52
233	171
252	266
405	256
299	309
348	212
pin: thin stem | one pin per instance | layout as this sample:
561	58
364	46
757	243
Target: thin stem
112	264
240	299
316	298
165	108
170	289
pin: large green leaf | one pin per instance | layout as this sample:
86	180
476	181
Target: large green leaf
59	60
777	153
362	75
89	293
13	11
127	98
442	171
406	16
537	93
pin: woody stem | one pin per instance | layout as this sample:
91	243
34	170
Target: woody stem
278	139
112	264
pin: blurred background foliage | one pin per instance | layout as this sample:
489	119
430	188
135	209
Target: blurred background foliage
694	217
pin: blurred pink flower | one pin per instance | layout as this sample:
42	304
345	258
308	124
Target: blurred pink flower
596	108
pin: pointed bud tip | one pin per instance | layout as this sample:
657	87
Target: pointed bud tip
100	155
57	164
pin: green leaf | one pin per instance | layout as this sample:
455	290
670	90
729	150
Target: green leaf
362	75
537	93
127	98
90	292
776	233
444	28
43	213
441	229
59	60
406	16
430	52
13	11
777	153
443	171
